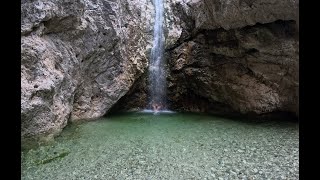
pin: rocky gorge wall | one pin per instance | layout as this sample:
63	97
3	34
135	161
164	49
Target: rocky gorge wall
78	58
83	58
229	57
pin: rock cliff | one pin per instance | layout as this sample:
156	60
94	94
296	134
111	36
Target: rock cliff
80	58
229	57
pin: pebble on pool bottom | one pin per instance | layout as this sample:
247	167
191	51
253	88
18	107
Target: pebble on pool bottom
168	146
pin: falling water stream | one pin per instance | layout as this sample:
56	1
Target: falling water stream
157	81
170	146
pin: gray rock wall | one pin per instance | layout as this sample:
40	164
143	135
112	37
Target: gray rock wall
252	70
229	56
79	58
240	55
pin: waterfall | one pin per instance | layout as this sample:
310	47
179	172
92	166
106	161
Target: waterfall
157	75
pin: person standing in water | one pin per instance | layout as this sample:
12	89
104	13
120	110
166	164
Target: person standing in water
156	107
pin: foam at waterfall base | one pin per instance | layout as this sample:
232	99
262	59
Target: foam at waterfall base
157	112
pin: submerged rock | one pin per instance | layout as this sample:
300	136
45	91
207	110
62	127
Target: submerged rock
50	159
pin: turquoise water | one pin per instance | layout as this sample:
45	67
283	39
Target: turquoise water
168	146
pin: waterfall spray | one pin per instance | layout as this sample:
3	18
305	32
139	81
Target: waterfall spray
157	75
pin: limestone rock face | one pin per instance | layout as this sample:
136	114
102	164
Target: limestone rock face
78	57
185	17
229	56
253	69
233	56
48	83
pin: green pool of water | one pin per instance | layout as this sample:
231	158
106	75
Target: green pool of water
168	146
